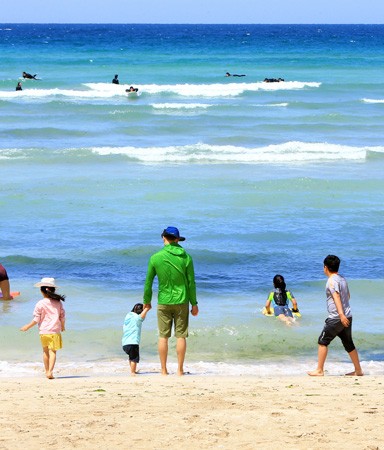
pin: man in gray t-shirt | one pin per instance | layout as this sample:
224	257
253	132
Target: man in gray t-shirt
337	285
339	320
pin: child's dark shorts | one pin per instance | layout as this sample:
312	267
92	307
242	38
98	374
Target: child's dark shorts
132	350
333	328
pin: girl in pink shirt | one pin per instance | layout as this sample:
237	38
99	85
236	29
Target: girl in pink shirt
49	314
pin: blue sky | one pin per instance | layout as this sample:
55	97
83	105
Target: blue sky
192	11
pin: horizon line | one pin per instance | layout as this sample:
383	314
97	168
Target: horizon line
186	23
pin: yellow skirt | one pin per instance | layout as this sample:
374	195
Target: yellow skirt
52	341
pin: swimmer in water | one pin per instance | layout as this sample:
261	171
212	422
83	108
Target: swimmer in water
273	80
234	75
29	76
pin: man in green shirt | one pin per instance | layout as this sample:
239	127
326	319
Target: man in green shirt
177	288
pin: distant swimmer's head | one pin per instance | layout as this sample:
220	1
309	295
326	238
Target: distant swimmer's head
279	282
227	74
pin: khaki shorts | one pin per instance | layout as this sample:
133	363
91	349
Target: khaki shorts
169	314
52	341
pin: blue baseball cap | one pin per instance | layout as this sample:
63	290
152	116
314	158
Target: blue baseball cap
173	232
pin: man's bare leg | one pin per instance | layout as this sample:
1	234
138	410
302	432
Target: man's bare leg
163	354
181	348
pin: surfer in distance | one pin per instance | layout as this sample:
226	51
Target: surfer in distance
29	76
227	74
273	80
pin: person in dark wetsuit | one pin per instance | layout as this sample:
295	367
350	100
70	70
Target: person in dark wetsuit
234	75
29	76
18	87
281	297
273	80
115	80
132	89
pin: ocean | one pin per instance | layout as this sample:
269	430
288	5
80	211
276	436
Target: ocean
262	178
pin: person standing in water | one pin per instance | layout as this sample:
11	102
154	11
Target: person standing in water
177	289
4	284
281	298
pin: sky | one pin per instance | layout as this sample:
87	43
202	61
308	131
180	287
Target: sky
193	11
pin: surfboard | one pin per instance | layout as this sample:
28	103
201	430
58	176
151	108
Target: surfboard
14	294
272	313
132	94
264	311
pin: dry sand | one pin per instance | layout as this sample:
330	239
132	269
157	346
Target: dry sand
192	412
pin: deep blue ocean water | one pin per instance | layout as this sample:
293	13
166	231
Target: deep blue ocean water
262	178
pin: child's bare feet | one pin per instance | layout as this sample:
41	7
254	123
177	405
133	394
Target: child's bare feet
316	373
50	376
354	374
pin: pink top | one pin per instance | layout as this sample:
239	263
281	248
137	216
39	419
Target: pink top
48	314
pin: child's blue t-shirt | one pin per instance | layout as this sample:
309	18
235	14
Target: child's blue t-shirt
132	329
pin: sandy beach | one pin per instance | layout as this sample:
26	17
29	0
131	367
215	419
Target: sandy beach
192	412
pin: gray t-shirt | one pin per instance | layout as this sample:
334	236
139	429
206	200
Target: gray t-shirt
337	283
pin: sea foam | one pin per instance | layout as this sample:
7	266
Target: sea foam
205	153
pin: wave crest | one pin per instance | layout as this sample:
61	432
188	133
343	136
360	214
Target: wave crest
289	152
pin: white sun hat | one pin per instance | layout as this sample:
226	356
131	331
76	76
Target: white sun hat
48	282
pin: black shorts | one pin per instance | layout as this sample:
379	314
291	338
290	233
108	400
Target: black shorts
333	328
132	350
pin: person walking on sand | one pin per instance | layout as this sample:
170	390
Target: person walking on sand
4	284
49	314
174	269
339	321
132	334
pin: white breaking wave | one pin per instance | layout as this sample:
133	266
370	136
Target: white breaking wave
180	105
272	105
202	368
372	100
200	153
45	93
208	90
289	152
109	90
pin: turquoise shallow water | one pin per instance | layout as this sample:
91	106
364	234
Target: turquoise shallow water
262	178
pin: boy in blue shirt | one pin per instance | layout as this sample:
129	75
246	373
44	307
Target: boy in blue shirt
132	334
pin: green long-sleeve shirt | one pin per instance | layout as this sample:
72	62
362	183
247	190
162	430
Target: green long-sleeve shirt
176	276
